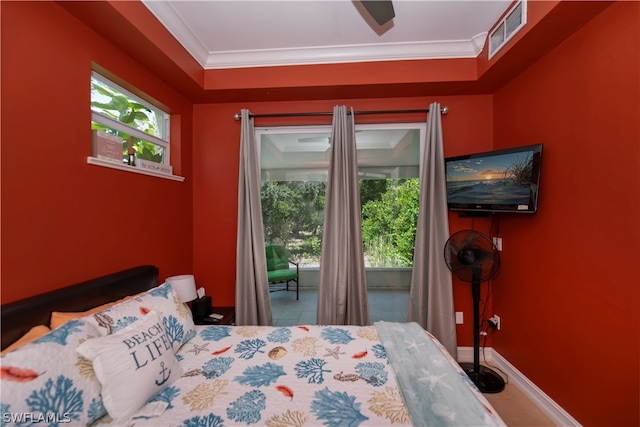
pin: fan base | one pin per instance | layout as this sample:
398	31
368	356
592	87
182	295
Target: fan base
486	379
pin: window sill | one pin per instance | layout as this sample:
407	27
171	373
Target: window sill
107	164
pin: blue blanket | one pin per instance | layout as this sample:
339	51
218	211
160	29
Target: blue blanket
431	387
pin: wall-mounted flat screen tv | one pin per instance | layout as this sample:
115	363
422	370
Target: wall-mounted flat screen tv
504	180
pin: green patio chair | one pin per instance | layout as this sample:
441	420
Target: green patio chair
279	269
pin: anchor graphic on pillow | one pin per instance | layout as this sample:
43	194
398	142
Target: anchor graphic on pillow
164	373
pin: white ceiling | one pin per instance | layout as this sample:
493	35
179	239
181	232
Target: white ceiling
230	34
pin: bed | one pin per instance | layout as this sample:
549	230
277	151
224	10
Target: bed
141	361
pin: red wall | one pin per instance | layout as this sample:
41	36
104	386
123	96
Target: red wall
63	220
467	127
569	289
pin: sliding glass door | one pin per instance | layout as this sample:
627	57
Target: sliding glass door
294	165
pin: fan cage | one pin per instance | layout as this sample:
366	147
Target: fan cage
471	255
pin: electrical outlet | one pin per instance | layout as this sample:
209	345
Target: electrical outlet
497	242
495	321
459	318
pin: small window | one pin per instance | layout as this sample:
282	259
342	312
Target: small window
127	129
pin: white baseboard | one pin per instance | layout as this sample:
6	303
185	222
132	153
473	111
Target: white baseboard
533	392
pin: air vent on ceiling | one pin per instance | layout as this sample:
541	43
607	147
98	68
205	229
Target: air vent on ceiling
508	26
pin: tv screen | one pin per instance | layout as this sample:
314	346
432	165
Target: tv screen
495	181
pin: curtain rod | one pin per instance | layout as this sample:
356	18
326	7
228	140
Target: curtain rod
238	116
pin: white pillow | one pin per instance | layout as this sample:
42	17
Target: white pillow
48	377
133	365
174	315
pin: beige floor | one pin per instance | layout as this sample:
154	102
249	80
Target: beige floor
515	408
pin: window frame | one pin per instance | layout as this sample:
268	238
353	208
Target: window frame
266	130
164	171
421	127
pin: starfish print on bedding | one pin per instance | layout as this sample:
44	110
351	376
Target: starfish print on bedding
434	380
198	348
335	352
413	344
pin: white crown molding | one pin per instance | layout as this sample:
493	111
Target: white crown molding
478	42
169	18
451	49
345	54
546	404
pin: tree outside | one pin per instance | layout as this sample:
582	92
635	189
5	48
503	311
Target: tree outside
293	214
116	105
389	224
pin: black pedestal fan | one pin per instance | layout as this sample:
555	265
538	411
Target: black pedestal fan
472	257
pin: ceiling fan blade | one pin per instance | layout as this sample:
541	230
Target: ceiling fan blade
380	10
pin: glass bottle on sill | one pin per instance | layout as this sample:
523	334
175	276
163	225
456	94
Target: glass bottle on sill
131	159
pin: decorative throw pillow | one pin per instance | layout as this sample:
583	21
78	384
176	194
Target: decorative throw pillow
174	315
47	382
133	365
60	317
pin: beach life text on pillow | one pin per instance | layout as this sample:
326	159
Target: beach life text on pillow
132	365
149	345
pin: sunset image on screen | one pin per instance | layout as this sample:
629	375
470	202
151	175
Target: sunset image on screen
497	179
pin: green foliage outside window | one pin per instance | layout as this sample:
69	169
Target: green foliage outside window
389	224
293	213
113	104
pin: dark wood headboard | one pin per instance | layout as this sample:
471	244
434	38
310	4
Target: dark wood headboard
20	316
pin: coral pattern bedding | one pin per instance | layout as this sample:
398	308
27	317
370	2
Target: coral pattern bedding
233	375
305	375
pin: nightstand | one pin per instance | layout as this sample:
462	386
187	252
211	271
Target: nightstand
228	313
228	316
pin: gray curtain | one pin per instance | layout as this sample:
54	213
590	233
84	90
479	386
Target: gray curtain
342	289
431	295
253	304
